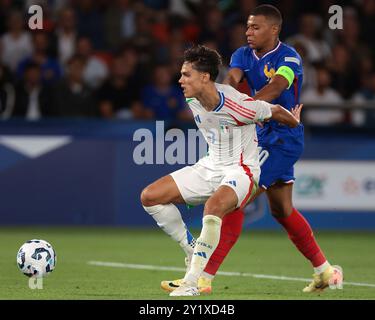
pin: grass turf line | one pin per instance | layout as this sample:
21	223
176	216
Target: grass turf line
256	252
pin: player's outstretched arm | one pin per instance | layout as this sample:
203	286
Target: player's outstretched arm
286	117
272	90
233	77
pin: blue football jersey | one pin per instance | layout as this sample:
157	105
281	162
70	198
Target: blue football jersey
258	72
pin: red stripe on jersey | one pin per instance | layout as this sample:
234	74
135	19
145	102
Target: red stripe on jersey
235	104
247	112
242	109
238	111
250	175
239	123
249	99
295	84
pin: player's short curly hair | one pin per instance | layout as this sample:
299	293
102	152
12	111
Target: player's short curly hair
269	11
204	59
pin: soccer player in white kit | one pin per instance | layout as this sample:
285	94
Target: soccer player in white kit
228	176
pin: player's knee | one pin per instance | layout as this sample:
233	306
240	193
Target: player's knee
281	210
215	207
149	197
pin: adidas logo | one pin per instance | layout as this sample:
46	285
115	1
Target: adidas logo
232	182
201	254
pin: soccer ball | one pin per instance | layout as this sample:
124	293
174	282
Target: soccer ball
36	258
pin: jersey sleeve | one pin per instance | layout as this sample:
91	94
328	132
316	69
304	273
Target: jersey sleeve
289	65
236	60
248	111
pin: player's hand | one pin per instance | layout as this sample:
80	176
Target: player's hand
296	111
261	124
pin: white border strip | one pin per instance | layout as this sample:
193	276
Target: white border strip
222	273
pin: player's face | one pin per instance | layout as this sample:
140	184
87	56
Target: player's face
191	80
259	32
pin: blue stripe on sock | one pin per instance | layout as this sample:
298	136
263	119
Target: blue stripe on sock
189	236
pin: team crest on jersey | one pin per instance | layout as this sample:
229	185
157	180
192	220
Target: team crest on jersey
224	126
269	72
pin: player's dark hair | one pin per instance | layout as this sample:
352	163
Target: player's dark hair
269	12
204	59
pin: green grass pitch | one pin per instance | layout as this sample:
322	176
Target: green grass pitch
257	252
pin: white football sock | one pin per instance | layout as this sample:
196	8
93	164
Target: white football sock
207	275
204	247
323	267
168	217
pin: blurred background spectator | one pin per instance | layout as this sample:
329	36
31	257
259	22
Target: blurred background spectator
95	69
66	34
120	22
90	22
365	94
7	93
128	54
31	96
16	41
322	95
310	36
44	56
71	97
119	96
162	99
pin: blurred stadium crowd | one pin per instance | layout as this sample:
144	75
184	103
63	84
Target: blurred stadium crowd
120	59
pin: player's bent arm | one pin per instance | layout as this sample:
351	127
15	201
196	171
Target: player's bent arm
283	116
233	77
272	90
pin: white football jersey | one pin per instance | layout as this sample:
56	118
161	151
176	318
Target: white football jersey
230	129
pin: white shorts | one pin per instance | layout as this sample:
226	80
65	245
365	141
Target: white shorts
199	182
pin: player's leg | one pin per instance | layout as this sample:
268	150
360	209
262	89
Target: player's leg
231	229
301	234
188	185
158	200
236	189
221	202
162	191
299	231
278	177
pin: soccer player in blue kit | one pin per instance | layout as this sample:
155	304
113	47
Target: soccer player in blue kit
274	73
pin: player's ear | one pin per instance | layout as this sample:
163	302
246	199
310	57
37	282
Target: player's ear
275	29
205	77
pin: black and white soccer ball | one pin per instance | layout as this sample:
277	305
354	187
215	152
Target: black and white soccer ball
36	258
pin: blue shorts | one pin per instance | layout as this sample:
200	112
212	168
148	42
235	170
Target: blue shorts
279	165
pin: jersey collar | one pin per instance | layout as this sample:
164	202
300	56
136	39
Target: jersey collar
269	52
221	102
